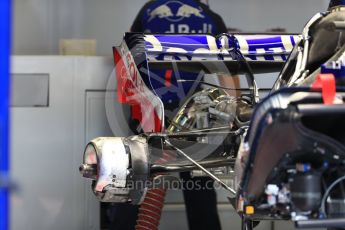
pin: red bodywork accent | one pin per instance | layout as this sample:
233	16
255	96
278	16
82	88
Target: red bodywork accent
327	84
121	76
128	93
168	75
151	208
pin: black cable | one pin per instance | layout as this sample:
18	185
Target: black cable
325	196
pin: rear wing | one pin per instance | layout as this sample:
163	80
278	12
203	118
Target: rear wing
139	54
263	52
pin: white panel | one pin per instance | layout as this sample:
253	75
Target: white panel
42	153
30	90
47	145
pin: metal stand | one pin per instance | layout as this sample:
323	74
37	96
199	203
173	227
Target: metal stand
247	224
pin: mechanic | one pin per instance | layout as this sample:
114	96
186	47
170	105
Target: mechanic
336	3
178	16
183	16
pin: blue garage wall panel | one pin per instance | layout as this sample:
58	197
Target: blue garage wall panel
5	16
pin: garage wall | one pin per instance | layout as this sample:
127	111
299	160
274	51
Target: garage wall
260	15
39	24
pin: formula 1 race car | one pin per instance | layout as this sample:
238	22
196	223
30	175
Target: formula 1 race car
287	150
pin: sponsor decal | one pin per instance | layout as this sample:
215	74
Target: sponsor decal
186	11
336	67
132	90
196	47
266	47
181	47
175	11
162	11
186	29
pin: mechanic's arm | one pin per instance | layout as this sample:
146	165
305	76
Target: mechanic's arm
227	80
230	82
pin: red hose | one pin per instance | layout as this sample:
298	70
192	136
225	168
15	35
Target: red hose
150	210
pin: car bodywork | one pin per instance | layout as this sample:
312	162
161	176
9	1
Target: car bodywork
287	150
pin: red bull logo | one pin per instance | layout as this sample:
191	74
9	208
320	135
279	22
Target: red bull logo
175	11
187	11
162	11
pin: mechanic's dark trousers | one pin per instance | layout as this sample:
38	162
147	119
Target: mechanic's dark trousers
201	204
122	216
201	207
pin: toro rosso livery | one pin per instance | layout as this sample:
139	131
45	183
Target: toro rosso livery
285	153
192	53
